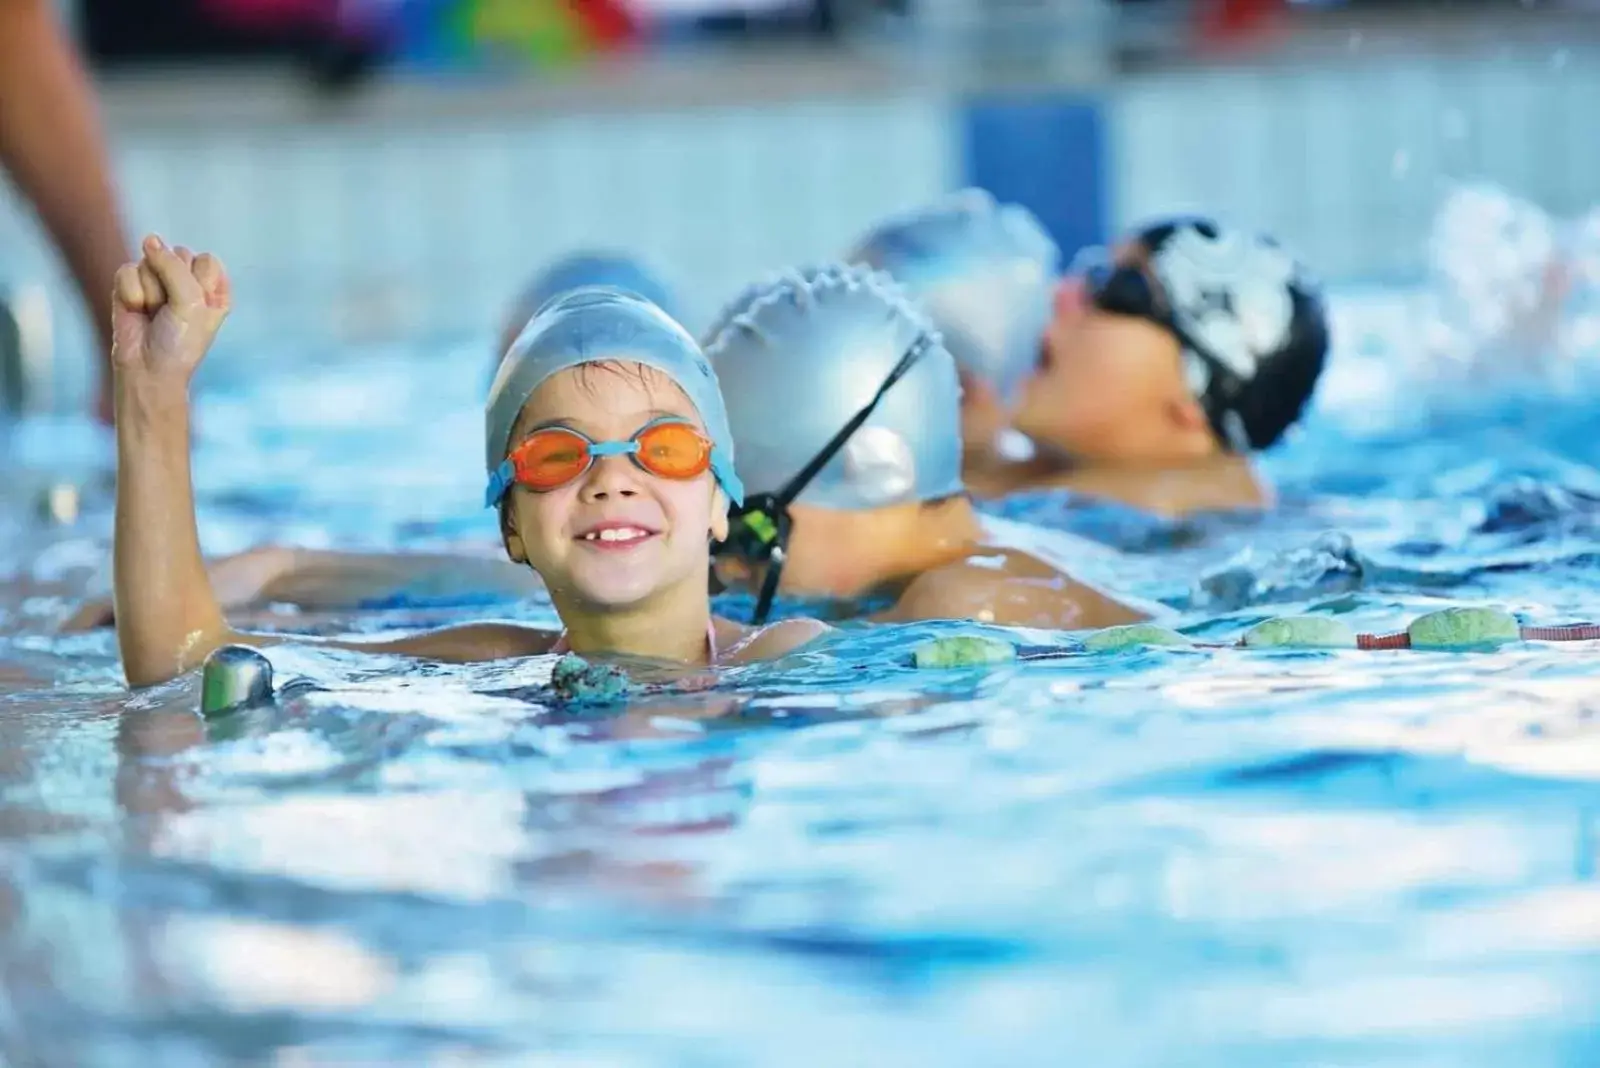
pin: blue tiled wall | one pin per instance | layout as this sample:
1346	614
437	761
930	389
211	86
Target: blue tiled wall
1047	153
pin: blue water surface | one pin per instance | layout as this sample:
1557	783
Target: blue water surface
1161	857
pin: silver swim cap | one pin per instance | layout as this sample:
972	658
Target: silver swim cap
598	323
801	354
984	272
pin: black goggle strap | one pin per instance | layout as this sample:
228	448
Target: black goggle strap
760	533
766	518
775	557
1221	389
1108	281
796	485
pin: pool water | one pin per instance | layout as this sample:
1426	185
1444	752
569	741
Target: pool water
1195	857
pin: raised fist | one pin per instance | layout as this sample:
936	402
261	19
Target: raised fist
166	310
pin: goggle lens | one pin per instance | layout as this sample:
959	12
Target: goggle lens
1123	291
551	458
673	450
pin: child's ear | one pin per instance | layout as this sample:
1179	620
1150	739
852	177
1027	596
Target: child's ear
508	534
719	515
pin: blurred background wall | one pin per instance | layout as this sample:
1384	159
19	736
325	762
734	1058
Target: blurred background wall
396	169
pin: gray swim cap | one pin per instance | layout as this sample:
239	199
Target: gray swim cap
802	353
985	273
593	324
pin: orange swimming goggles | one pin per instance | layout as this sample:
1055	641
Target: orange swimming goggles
556	455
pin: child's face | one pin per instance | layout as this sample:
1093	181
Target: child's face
1103	384
660	528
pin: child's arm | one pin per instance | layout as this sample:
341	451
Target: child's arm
326	579
166	311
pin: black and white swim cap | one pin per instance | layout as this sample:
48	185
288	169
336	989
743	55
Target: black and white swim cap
1253	324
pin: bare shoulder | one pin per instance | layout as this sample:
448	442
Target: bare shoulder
1012	589
774	639
957	590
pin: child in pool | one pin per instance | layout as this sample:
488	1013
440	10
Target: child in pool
609	460
1148	377
845	406
338	579
1169	363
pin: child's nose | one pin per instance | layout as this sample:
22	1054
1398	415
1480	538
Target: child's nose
611	476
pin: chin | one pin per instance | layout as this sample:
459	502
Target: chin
1062	432
615	594
618	586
